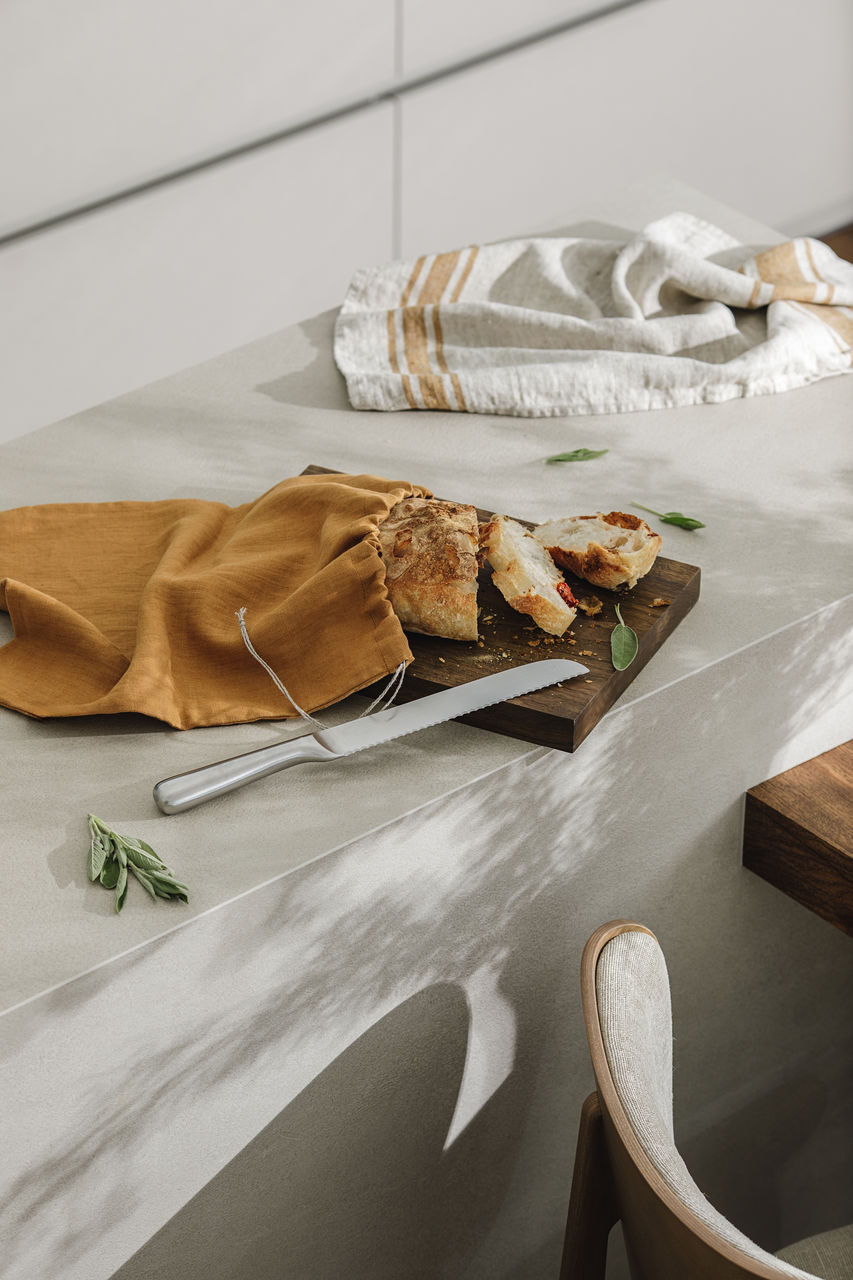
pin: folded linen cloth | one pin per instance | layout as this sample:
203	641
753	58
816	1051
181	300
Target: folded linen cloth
679	314
130	606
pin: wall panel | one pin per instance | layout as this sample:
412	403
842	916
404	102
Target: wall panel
99	95
734	99
142	288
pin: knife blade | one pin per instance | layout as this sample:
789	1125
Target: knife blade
186	790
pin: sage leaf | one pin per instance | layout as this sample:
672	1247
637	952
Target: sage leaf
121	887
112	857
672	517
110	873
168	886
143	880
97	858
578	455
148	861
623	644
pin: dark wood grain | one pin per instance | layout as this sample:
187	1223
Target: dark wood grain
798	834
562	715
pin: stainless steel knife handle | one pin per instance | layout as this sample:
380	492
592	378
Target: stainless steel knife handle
186	790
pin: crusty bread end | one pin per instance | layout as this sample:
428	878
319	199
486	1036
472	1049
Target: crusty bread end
430	552
613	550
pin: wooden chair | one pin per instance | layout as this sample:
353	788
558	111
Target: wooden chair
627	1166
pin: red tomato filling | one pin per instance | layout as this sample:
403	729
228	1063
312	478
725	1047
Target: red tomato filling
566	592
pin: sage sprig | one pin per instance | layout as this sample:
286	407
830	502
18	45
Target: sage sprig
672	517
623	644
578	455
112	857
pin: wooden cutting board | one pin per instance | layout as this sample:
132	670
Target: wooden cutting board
562	715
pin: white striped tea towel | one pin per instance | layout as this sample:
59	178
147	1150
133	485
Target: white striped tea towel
544	327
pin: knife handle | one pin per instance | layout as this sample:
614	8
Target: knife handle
186	790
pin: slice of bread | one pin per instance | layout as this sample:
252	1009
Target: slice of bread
526	576
613	550
430	552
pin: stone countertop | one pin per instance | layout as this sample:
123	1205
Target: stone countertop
769	476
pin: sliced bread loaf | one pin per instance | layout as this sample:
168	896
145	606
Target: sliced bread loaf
526	576
613	550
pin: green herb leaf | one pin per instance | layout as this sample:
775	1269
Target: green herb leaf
113	856
167	886
672	517
146	847
97	858
578	455
623	644
148	861
143	880
121	887
110	874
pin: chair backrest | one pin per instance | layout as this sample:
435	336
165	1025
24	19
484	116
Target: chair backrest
671	1230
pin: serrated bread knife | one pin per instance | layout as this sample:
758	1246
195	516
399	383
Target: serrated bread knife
186	790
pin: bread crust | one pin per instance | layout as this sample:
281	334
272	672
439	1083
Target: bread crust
526	577
430	552
613	550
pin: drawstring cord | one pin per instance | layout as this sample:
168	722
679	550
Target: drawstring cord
386	696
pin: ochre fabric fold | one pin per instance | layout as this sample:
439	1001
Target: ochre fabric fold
130	606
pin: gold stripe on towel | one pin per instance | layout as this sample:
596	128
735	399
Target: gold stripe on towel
433	391
392	334
779	266
433	291
466	271
407	292
439	341
439	274
392	358
442	363
415	340
830	288
835	319
417	359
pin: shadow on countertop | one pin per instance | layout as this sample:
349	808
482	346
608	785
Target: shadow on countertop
318	385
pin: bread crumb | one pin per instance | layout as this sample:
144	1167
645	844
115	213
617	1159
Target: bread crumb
660	602
590	605
534	644
442	659
585	653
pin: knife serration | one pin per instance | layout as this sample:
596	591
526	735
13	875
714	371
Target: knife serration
447	704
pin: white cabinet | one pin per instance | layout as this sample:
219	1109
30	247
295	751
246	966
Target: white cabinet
128	294
98	96
735	99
